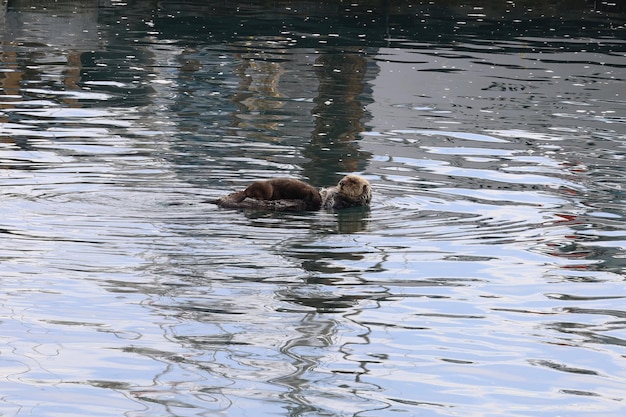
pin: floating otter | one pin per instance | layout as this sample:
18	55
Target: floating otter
277	194
287	194
351	191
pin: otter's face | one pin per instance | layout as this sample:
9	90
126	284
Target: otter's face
353	186
260	190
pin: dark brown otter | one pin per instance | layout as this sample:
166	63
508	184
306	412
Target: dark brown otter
351	191
282	189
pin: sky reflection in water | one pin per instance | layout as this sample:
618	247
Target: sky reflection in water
487	279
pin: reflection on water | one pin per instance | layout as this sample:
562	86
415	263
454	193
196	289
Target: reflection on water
487	278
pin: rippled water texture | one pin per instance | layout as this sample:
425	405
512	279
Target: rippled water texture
487	278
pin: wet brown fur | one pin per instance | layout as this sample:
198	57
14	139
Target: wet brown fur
283	189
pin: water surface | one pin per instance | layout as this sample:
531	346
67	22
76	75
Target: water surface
487	278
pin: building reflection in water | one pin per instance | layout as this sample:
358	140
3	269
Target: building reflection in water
339	114
258	96
41	45
274	97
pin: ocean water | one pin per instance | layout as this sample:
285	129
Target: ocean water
486	279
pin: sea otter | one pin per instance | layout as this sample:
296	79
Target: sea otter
275	194
287	194
351	191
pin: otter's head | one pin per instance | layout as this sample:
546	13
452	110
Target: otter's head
260	190
355	187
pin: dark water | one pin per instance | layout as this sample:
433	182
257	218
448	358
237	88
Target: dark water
487	279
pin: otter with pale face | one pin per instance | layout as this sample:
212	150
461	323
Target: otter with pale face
351	191
287	194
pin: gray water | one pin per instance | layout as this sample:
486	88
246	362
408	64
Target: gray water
486	279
